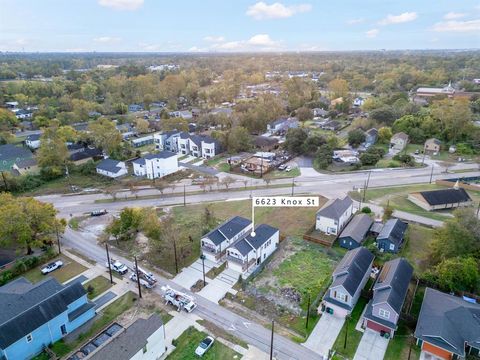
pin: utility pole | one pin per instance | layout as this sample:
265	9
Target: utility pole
203	267
431	174
346	331
308	312
184	196
293	184
271	341
109	264
175	254
366	185
4	181
58	238
138	279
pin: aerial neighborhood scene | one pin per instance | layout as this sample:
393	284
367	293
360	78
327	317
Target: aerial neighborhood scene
244	179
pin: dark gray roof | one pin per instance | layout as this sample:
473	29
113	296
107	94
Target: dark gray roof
33	137
161	155
393	230
130	341
352	268
26	306
109	165
445	196
357	228
85	154
333	209
12	152
376	227
242	246
448	322
263	232
228	229
392	283
24	163
278	121
140	161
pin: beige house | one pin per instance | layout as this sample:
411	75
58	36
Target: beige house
399	141
441	199
432	145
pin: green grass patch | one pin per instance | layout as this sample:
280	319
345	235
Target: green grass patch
217	331
399	346
277	174
188	342
417	247
353	336
99	285
308	271
215	271
70	269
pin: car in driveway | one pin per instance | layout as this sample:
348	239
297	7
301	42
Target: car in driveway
118	267
203	347
282	167
52	267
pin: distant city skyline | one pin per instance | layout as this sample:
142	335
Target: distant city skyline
236	25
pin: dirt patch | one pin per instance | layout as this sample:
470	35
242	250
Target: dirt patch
96	224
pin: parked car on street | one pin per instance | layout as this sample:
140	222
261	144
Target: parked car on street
288	168
52	267
282	167
204	346
118	267
99	212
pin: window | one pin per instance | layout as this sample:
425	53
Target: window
343	297
29	338
392	247
384	313
63	328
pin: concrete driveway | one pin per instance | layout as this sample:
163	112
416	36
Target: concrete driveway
324	334
217	288
372	346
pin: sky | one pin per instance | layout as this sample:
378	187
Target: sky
237	25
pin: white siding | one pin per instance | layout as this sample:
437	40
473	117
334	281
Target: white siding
155	346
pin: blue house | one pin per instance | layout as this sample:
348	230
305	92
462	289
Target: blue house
33	316
391	237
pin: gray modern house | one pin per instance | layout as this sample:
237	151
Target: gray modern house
389	294
349	278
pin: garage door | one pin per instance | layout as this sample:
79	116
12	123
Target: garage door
436	351
377	327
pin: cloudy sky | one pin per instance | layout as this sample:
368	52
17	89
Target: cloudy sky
237	25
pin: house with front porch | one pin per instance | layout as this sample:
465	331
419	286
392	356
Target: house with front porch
214	244
448	326
250	251
348	280
389	293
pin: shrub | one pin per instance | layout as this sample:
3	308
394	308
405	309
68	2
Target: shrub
366	210
90	289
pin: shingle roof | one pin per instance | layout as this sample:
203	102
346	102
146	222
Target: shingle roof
393	230
228	229
333	209
263	232
448	322
352	268
400	135
357	228
242	246
33	137
445	196
11	152
392	283
130	341
26	306
87	153
24	163
161	155
110	165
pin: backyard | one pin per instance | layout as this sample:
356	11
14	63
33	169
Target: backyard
187	343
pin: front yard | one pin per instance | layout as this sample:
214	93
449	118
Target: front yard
69	270
187	343
97	286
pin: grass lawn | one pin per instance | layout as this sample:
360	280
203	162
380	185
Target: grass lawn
100	284
69	269
398	347
277	174
188	342
353	336
308	271
106	316
215	161
62	185
417	301
417	247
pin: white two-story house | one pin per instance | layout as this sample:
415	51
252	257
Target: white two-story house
334	215
214	244
183	143
33	141
156	165
348	280
249	252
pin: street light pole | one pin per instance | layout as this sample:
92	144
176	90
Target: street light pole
431	174
138	279
109	264
175	254
58	238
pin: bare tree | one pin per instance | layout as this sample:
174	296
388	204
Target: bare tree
173	186
112	192
161	185
245	182
267	181
133	189
227	181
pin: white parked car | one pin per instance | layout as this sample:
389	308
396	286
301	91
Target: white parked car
118	267
52	267
204	346
288	168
